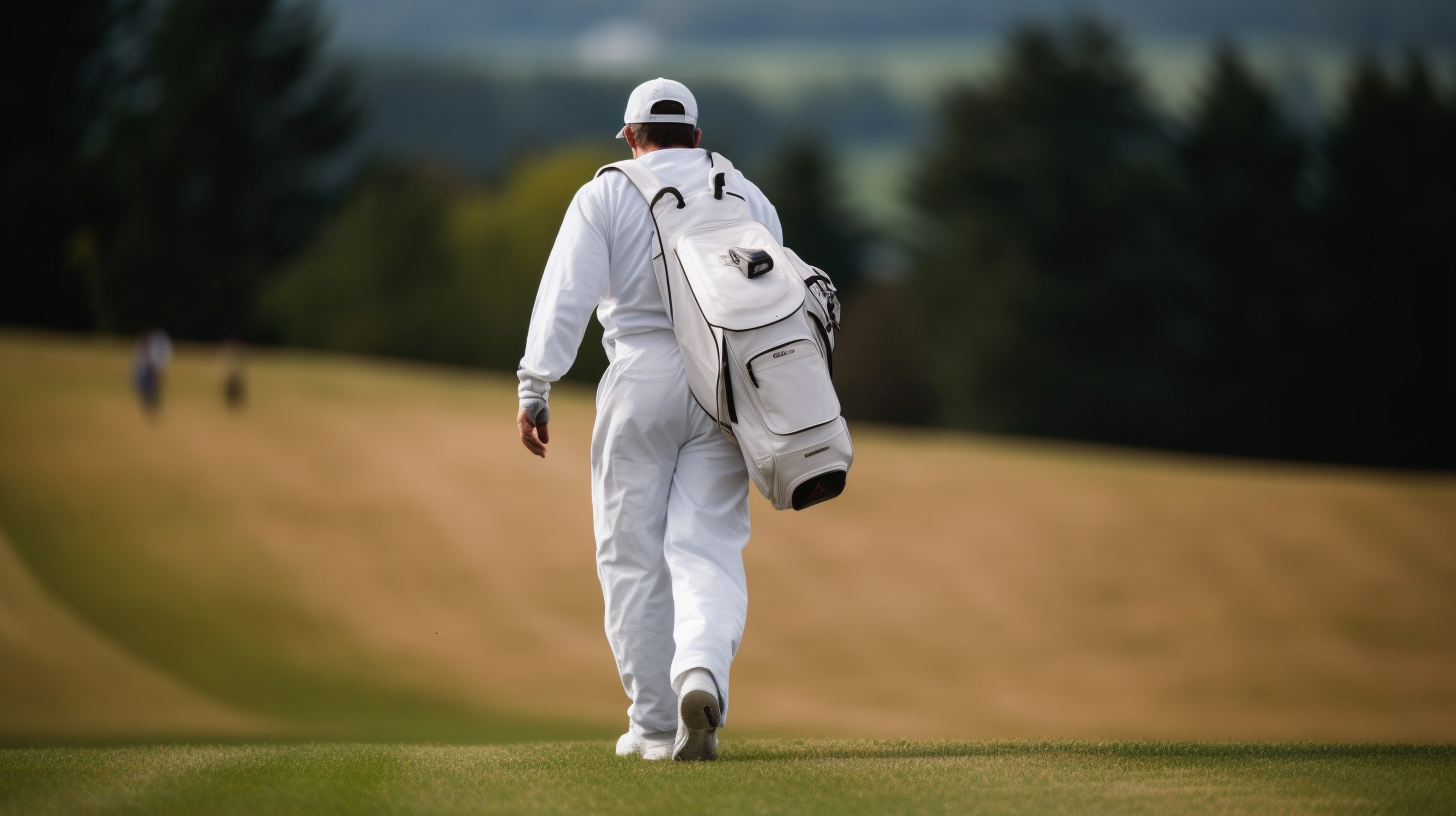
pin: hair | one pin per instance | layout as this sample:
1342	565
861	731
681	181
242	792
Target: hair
665	134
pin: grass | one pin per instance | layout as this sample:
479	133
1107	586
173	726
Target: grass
367	553
753	776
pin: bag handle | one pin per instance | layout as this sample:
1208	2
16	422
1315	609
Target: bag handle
718	170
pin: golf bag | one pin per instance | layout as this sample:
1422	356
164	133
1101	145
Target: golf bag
757	328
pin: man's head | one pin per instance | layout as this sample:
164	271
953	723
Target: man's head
660	113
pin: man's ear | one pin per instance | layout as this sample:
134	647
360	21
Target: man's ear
697	137
631	141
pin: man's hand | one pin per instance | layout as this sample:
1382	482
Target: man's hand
531	422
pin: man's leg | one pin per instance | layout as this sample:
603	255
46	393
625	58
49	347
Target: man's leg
707	528
634	445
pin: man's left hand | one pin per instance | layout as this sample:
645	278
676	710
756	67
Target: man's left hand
531	421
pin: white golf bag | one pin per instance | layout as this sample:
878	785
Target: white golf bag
757	328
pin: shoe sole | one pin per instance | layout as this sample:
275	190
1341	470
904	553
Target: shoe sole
699	710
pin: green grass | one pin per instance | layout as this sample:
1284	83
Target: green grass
755	776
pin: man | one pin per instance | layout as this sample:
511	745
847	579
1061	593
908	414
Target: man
150	356
669	492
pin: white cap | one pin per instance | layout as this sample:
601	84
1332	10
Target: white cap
649	93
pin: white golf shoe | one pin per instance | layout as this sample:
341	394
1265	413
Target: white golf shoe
629	744
697	727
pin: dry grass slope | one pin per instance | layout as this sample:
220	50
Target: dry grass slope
368	547
60	679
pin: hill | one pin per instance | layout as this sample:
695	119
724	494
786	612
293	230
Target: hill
366	551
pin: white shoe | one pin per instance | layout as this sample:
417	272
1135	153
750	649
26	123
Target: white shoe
629	744
697	727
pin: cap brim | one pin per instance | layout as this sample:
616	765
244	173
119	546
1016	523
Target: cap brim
622	134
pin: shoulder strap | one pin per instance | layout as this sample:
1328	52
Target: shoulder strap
644	180
718	170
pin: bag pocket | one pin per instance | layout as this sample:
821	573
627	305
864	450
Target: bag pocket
791	385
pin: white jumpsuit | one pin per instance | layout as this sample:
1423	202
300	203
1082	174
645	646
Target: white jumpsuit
669	492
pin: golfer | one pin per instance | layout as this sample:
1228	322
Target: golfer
669	492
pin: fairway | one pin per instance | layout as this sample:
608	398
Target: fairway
756	776
366	553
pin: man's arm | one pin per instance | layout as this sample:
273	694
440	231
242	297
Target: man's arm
573	283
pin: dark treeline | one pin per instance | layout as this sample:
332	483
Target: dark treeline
162	159
1085	268
1080	263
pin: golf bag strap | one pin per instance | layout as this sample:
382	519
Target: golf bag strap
643	179
719	171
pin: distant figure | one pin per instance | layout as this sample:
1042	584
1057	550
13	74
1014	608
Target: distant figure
234	381
150	356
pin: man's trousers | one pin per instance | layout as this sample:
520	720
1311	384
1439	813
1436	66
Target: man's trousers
670	505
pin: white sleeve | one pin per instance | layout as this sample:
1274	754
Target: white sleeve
575	280
771	220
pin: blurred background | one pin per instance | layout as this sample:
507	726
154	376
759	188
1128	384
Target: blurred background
1150	350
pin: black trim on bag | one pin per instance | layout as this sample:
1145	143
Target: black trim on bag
728	384
718	182
828	347
807	427
737	196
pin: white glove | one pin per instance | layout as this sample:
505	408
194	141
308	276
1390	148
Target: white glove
537	411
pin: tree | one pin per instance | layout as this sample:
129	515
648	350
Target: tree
1382	321
374	280
801	184
1048	287
1248	230
422	264
52	99
226	156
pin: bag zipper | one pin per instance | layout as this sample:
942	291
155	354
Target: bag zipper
749	365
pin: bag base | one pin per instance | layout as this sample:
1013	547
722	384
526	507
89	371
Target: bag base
817	489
